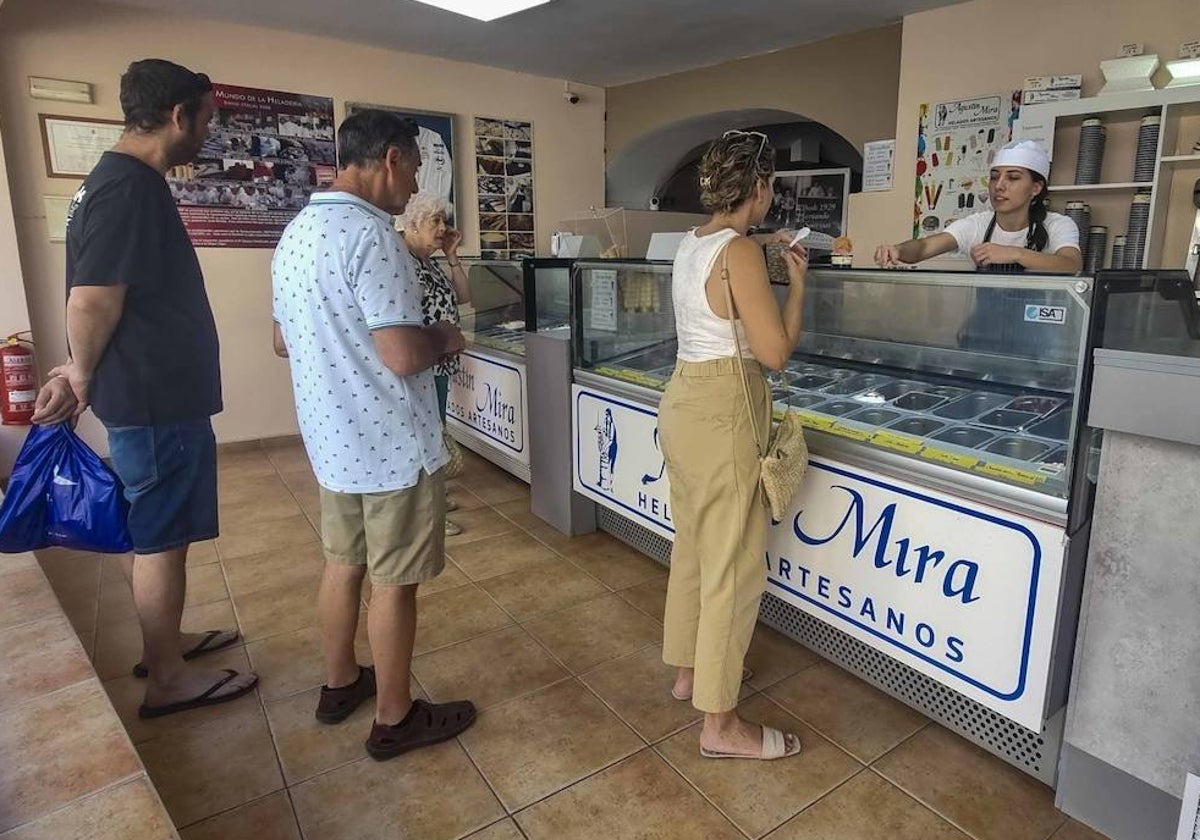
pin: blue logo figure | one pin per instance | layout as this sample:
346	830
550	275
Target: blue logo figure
651	478
606	442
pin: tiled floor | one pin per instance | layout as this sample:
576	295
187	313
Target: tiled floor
556	640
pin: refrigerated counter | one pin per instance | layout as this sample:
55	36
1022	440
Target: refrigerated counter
937	545
488	406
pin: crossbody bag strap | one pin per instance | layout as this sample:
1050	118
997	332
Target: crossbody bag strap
737	343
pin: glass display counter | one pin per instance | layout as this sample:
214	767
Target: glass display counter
968	373
943	522
488	403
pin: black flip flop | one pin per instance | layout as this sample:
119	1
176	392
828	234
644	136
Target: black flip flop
200	701
141	672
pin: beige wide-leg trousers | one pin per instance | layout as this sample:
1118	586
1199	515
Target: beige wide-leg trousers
718	571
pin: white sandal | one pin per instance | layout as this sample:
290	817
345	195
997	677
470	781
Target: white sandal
775	744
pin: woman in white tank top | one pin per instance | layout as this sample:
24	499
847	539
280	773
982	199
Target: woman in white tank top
709	442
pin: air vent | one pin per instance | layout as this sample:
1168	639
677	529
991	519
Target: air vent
1189	816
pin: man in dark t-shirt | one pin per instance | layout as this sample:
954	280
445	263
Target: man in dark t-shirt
144	357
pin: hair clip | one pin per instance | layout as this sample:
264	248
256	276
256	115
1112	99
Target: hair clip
706	182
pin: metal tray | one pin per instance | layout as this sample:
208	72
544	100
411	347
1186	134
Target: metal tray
805	400
972	405
1055	427
918	401
945	391
1037	405
1057	458
1018	448
837	408
854	384
964	436
897	389
874	416
917	426
810	382
1007	419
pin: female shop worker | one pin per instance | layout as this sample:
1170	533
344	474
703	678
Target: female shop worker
1019	235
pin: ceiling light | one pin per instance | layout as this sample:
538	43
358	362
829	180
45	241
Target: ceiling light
484	9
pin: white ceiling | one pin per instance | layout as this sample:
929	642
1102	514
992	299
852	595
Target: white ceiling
598	42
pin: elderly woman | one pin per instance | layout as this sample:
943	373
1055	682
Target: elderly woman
425	231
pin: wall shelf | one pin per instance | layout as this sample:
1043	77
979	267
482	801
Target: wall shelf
1178	109
1132	185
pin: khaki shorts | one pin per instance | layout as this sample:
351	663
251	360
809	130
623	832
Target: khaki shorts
399	536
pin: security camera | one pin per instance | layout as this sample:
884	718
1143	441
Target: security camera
654	203
571	97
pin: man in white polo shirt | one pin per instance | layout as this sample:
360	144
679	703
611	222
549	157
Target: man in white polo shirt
347	307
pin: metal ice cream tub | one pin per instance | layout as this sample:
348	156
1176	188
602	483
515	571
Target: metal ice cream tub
972	405
1019	449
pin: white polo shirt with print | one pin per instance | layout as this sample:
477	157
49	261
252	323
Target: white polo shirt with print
340	271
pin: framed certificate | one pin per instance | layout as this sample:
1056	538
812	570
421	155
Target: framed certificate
73	145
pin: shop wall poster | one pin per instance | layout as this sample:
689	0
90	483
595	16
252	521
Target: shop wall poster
266	152
504	169
955	145
815	198
435	139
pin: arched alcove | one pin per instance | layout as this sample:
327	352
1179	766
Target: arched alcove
662	163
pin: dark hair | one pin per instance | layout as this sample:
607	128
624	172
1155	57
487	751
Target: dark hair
731	168
152	87
364	138
1038	237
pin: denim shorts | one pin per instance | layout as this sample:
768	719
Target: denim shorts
170	477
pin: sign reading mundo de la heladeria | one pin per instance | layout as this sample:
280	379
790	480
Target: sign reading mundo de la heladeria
488	397
964	593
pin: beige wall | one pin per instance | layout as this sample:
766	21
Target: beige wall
94	43
989	46
848	83
14	314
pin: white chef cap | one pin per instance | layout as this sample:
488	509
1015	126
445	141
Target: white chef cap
1028	154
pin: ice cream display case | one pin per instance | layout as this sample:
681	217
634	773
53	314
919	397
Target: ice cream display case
939	537
488	406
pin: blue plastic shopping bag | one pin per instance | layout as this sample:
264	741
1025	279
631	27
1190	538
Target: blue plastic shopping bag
62	494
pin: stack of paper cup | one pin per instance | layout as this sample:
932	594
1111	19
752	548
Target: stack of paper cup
1147	150
1139	225
1118	254
1091	152
1081	214
1097	245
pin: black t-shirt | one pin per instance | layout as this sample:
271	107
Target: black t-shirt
162	364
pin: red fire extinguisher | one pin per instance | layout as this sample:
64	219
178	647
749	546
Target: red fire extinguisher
18	374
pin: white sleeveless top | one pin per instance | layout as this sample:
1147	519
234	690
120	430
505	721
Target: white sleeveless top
701	333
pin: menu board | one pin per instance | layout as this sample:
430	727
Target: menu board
956	142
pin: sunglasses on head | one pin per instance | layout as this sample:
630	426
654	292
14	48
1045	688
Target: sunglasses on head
762	142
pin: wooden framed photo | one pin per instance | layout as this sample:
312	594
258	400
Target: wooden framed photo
73	145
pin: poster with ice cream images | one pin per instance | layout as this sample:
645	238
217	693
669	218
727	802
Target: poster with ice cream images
504	168
955	144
